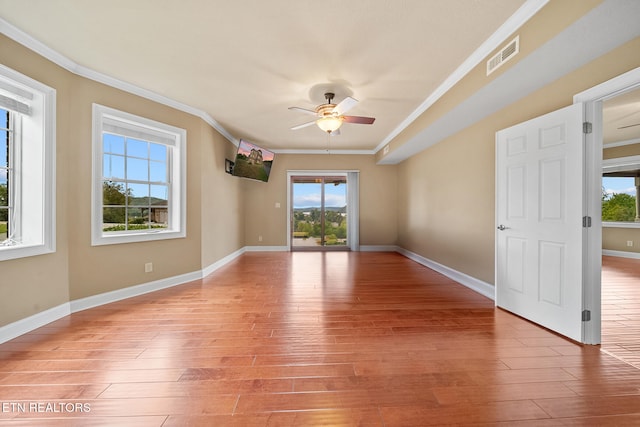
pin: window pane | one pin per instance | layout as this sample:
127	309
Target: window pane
113	194
618	199
4	188
4	148
113	144
138	194
113	166
136	216
158	152
136	148
137	169
157	172
159	195
159	218
111	216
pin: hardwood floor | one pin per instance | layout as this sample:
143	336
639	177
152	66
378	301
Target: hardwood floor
621	308
307	338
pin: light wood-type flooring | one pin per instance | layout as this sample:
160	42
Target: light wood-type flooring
307	339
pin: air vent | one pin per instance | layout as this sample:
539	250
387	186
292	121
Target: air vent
505	54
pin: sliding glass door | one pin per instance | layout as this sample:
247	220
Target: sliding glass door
319	212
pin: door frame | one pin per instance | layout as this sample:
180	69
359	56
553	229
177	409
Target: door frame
592	261
353	210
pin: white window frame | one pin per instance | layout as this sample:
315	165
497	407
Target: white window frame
618	164
34	108
176	140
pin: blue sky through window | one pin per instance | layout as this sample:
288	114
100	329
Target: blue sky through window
616	185
308	195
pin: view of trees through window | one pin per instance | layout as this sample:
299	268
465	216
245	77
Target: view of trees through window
135	189
618	199
319	212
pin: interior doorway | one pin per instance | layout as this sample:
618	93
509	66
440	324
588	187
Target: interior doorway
323	211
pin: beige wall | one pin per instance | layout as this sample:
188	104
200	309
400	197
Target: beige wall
447	192
378	221
622	151
222	203
77	269
615	239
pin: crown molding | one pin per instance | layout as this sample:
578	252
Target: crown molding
57	58
621	143
305	151
522	15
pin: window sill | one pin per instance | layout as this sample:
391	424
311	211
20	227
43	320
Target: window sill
621	224
125	237
23	251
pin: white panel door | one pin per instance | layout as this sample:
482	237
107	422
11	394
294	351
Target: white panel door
539	209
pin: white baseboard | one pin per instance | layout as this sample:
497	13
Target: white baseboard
222	262
266	248
22	326
132	291
378	248
621	254
28	324
472	283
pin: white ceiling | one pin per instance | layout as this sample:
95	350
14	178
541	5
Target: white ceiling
621	118
245	62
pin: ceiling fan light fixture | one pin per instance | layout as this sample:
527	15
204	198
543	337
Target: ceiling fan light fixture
329	124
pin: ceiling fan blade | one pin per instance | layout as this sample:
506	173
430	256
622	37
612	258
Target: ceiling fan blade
345	105
358	119
304	125
302	110
629	126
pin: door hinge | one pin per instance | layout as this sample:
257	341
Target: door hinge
586	315
586	221
587	127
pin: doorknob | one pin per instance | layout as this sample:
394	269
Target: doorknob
502	227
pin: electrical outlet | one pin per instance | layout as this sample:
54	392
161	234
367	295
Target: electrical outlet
629	243
277	204
148	267
259	238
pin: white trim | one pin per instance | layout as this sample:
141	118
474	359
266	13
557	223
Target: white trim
28	324
334	152
611	224
177	182
132	291
266	248
611	88
605	27
621	143
222	262
522	15
621	254
620	164
64	62
593	99
41	131
483	288
378	248
353	196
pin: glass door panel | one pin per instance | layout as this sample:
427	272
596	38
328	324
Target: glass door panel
335	211
319	212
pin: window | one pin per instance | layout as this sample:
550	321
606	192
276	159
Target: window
27	166
138	178
620	188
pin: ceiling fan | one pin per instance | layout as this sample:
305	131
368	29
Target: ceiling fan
331	116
